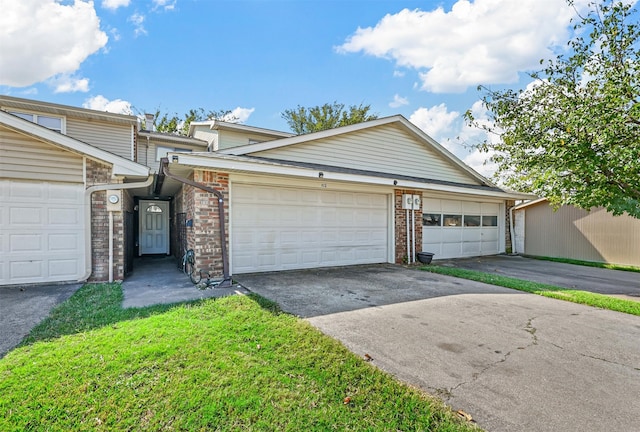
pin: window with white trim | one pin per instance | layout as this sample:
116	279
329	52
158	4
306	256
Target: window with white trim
50	122
162	151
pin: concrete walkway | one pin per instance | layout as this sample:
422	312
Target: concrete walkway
157	279
514	361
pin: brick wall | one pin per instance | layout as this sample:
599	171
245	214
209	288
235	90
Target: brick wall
401	225
98	174
202	207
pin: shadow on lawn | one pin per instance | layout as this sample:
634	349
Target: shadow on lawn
91	307
97	305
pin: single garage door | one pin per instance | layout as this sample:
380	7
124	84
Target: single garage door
279	228
455	229
41	232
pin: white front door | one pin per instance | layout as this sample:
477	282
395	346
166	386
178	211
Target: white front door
154	227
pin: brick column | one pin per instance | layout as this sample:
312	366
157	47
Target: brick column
202	207
401	225
507	232
99	174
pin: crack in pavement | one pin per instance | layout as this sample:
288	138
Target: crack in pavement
447	393
594	357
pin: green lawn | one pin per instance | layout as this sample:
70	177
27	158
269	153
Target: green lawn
588	263
575	296
234	363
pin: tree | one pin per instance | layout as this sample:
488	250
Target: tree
573	136
180	126
303	120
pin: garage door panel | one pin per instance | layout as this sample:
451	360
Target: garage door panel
448	241
311	228
42	232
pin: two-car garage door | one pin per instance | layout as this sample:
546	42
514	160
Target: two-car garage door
41	232
280	228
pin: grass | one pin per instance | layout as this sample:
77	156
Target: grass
235	363
588	263
575	296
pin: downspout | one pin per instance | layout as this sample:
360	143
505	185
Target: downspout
413	233
406	216
226	282
87	219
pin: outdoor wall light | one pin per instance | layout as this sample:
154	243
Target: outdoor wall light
320	174
174	158
395	182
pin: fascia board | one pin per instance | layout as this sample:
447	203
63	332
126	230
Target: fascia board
530	203
19	104
121	166
282	170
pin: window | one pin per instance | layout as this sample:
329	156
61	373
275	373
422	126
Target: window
154	209
53	123
489	221
451	220
471	221
431	219
162	151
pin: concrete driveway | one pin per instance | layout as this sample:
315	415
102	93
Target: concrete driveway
22	308
514	361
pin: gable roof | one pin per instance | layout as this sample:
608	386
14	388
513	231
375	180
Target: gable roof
121	166
397	120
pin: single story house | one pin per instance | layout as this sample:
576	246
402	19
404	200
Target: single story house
571	232
83	192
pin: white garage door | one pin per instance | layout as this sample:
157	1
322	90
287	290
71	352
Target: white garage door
276	228
454	229
41	232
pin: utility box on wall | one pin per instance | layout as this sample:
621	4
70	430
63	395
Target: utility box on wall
411	202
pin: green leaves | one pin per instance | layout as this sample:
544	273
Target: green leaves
303	120
573	136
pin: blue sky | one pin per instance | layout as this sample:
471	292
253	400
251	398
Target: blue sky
421	59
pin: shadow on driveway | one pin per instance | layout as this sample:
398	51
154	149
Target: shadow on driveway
313	292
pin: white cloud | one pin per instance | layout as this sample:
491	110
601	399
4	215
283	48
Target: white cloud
138	24
398	101
398	74
472	136
239	115
115	4
59	38
434	121
164	4
480	42
65	83
101	103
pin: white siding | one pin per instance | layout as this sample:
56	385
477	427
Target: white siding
386	149
22	157
228	139
113	138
